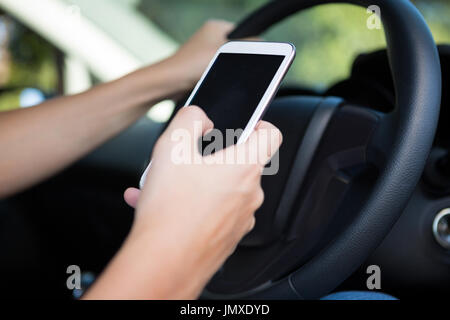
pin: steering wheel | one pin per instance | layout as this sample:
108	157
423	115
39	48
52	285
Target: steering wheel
345	172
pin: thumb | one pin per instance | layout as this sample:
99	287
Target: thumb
131	196
264	142
259	148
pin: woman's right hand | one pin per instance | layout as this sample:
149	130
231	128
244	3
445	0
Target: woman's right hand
191	216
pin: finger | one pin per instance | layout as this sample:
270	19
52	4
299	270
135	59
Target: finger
191	119
259	148
223	25
251	224
131	196
263	143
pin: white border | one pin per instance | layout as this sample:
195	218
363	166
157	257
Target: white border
255	47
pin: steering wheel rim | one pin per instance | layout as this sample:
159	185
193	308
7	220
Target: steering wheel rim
411	128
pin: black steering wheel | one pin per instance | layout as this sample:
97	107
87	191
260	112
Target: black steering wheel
346	172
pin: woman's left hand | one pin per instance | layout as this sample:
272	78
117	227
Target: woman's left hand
193	57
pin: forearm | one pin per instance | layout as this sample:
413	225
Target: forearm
154	266
39	141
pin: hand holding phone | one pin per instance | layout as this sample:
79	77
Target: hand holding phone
239	84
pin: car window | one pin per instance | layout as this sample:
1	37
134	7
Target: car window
328	38
29	71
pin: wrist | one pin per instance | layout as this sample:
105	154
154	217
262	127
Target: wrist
145	87
170	267
145	269
161	81
177	70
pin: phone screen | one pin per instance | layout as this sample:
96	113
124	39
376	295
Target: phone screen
233	88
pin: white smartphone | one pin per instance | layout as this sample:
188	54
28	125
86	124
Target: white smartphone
239	84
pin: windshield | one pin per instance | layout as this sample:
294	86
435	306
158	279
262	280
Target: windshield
66	46
328	38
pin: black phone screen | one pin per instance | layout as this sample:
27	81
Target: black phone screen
234	86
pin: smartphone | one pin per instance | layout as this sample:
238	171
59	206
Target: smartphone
239	84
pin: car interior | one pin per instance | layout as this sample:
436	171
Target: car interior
364	180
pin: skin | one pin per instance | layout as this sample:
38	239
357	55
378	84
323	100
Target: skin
189	216
41	141
181	234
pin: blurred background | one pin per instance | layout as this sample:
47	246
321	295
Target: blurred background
54	47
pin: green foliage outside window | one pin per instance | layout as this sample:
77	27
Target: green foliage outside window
328	37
